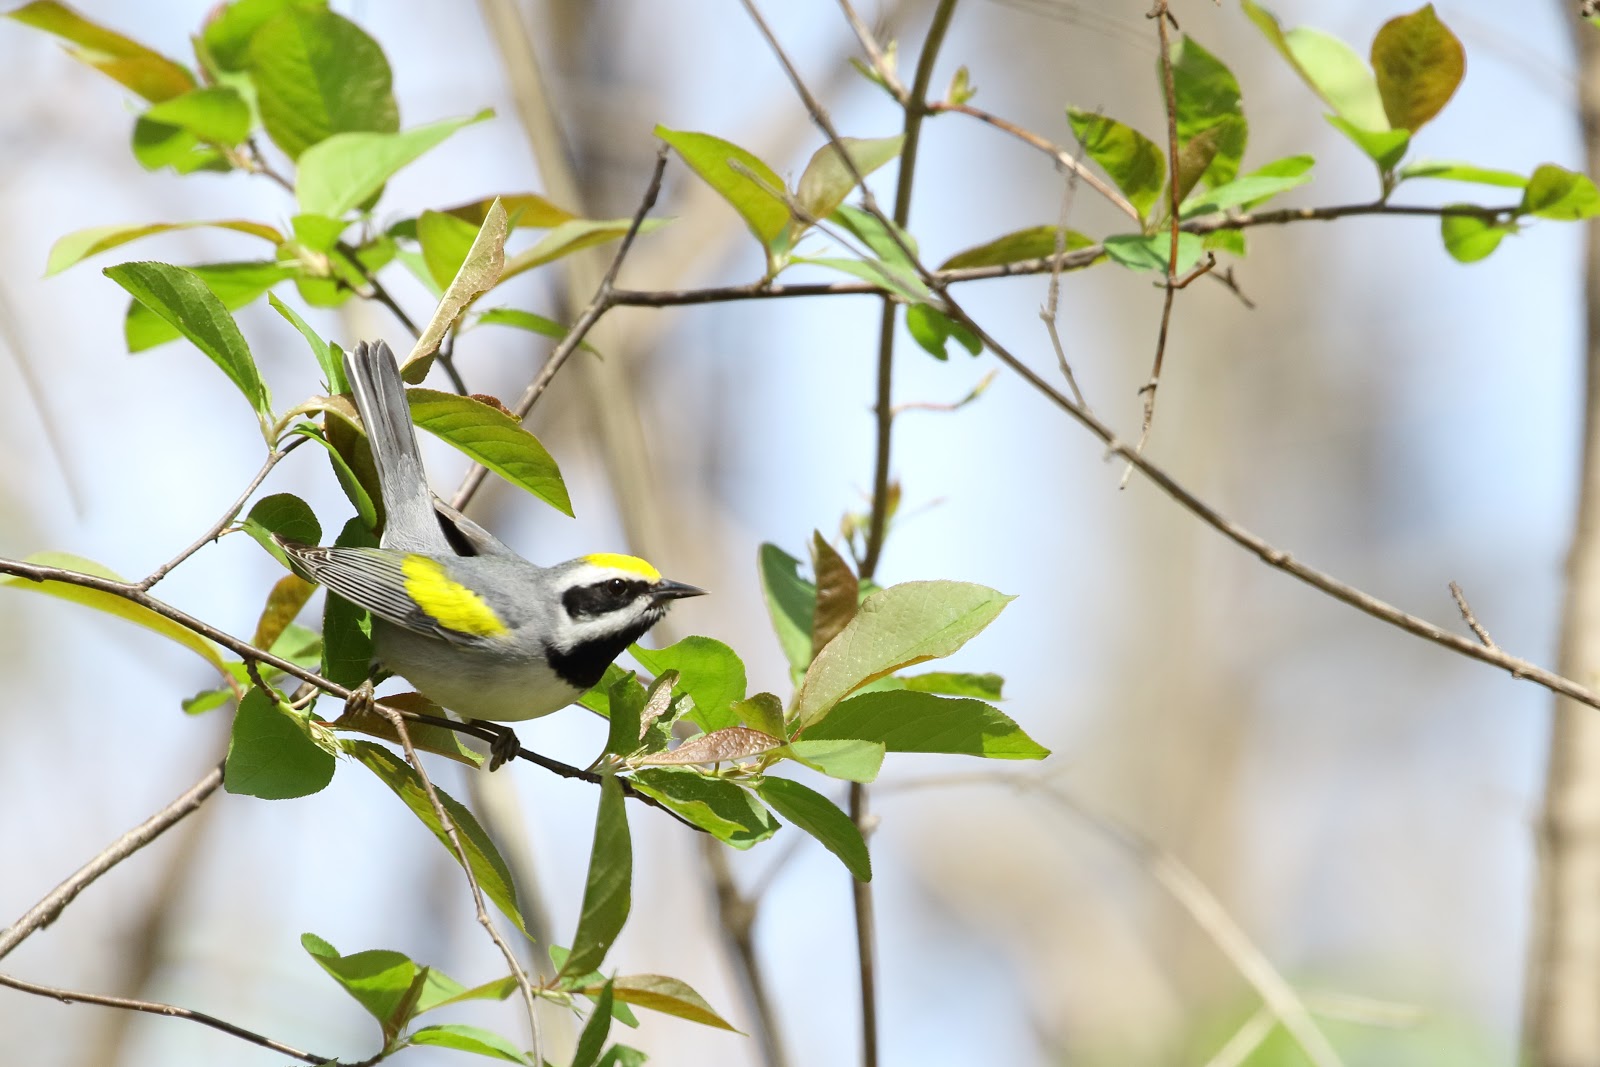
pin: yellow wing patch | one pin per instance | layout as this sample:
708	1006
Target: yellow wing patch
449	603
631	564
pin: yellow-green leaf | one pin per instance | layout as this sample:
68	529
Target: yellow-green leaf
1418	63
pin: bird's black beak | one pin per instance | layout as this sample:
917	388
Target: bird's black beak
667	589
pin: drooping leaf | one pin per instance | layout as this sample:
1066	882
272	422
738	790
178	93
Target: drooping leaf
1557	193
216	114
1149	251
492	438
851	759
1208	98
288	595
710	672
1329	67
327	355
183	300
607	895
380	980
1129	158
344	170
1035	242
112	604
592	1041
235	284
81	244
354	491
666	995
1418	63
464	1038
791	602
1469	238
424	736
887	276
481	271
895	628
751	187
716	805
284	515
826	181
911	721
347	629
318	74
145	71
488	867
625	709
822	819
270	754
932	330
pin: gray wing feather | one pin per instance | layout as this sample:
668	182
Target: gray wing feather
369	578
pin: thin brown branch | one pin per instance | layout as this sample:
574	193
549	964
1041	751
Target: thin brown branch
875	53
603	300
1063	158
1468	617
45	912
736	918
530	998
172	1011
228	516
1052	304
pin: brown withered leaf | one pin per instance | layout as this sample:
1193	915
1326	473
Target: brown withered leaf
424	738
735	742
288	596
838	593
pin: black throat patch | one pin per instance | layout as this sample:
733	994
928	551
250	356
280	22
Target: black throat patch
585	664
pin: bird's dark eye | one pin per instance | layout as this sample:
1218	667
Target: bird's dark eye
616	586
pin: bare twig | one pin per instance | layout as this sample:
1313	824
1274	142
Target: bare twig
1467	617
875	53
1052	303
69	996
1245	1040
44	913
228	516
530	998
603	300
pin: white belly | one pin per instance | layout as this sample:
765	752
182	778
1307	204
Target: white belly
475	684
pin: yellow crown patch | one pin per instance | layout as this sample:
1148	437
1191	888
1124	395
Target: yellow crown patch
449	603
631	564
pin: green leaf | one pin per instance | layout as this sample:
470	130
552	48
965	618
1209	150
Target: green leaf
490	870
270	753
607	895
751	187
81	244
1208	98
229	27
445	242
826	181
763	711
882	236
1229	241
898	282
526	211
347	629
482	270
710	672
217	115
1251	189
822	819
791	602
343	171
666	995
932	330
318	74
852	759
324	352
284	515
1419	63
896	627
147	72
716	805
183	300
575	236
1130	158
1194	157
156	145
1383	147
360	499
1331	69
1149	251
464	1038
622	1056
1035	242
491	437
235	284
624	707
527	320
386	983
598	698
1446	170
112	604
593	1039
955	684
424	737
911	721
1557	193
1469	238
